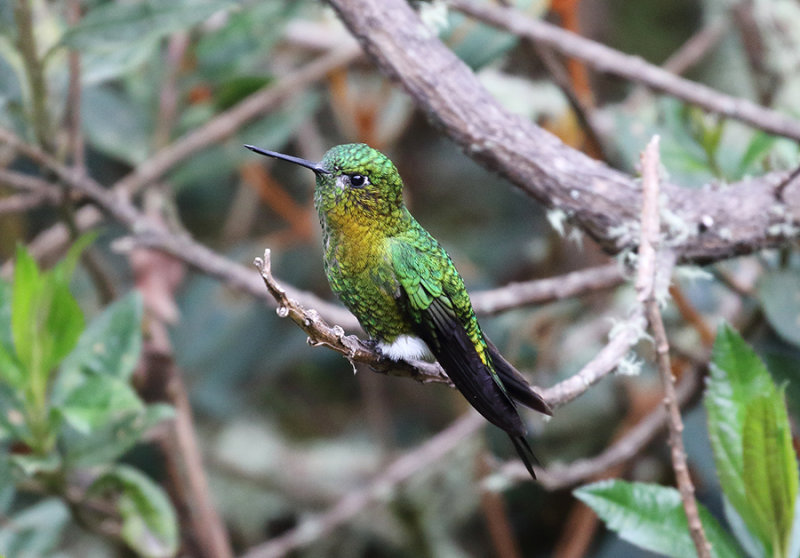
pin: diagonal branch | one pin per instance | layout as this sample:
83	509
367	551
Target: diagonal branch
219	128
744	217
632	68
425	456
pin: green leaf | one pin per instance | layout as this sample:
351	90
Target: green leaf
98	401
24	313
737	377
7	485
149	525
45	318
110	346
779	293
10	369
748	428
115	125
31	464
652	517
770	469
35	531
116	22
757	149
111	440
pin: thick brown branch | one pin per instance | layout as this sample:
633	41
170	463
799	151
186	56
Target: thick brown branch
744	217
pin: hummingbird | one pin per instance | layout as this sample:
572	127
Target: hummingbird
403	288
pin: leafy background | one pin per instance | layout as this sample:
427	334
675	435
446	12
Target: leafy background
286	430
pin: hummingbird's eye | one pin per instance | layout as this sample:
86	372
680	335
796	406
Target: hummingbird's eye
358	180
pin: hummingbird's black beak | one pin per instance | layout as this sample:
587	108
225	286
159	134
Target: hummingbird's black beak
296	160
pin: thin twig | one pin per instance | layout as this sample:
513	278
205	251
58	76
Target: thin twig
580	106
215	130
32	63
687	56
539	291
625	336
25	202
559	477
230	121
633	68
421	458
654	268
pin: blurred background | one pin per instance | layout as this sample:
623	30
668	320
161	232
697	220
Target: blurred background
285	431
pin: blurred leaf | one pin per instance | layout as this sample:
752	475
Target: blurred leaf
110	346
240	46
149	525
108	441
758	147
10	370
770	469
115	22
34	532
652	517
12	422
206	171
116	60
479	44
31	464
7	486
98	401
779	293
114	125
45	320
234	90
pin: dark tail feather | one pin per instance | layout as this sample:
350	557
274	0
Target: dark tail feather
516	384
525	453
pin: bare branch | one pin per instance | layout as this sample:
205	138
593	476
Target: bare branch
215	130
557	477
24	202
600	199
403	468
633	68
228	122
571	284
649	289
623	338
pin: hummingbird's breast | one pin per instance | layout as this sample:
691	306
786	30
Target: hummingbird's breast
360	273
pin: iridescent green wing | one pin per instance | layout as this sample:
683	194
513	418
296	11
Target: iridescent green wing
435	298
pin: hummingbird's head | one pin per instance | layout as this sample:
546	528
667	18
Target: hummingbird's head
354	182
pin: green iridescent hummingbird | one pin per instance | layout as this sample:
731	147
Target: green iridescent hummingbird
403	287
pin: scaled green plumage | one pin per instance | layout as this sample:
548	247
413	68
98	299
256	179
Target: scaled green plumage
398	281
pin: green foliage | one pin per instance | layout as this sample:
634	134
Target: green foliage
750	436
148	521
65	396
756	464
652	517
116	22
